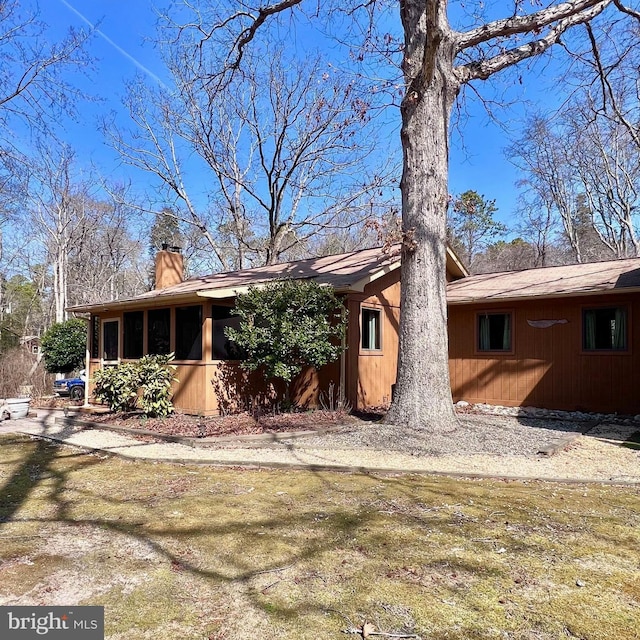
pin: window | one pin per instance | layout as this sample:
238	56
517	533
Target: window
95	337
223	348
371	333
159	331
494	332
189	333
133	335
110	340
604	329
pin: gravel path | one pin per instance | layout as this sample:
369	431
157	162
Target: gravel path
495	446
479	434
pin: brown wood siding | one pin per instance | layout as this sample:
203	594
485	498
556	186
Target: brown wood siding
211	387
548	367
371	374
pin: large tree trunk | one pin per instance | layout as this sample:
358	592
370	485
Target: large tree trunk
423	391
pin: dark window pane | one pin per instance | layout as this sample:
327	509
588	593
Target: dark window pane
159	331
223	348
494	332
604	329
110	340
133	335
189	333
370	329
95	337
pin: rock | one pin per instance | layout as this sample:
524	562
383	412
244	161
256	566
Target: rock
580	583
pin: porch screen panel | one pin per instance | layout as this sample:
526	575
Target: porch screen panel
159	331
189	333
110	339
223	348
132	344
95	337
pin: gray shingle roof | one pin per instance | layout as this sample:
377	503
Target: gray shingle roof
344	272
570	280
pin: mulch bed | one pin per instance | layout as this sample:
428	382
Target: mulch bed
241	424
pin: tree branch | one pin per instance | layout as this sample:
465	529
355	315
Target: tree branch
624	9
483	69
607	90
249	33
525	24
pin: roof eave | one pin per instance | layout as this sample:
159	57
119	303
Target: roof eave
455	265
116	305
359	285
572	294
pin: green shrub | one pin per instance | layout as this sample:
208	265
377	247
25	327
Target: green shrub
64	346
156	376
287	325
118	386
145	384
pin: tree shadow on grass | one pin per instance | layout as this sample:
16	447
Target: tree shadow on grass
241	532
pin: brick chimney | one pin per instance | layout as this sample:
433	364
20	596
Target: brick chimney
169	267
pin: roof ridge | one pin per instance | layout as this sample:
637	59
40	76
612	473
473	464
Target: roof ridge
283	264
554	266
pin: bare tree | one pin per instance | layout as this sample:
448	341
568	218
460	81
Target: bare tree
437	62
282	148
33	85
84	241
106	261
507	256
548	182
34	90
55	212
606	163
584	168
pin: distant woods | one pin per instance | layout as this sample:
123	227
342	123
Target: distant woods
579	172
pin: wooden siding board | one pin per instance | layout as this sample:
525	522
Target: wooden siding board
548	367
374	373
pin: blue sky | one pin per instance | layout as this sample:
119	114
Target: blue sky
123	46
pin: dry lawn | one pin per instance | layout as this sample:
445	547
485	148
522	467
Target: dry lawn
181	552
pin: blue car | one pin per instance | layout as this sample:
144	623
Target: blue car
70	387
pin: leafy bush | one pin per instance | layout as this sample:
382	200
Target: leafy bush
156	376
146	383
118	386
64	346
287	325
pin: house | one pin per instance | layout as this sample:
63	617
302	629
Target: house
31	344
556	337
189	317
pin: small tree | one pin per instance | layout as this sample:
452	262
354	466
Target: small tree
287	325
64	346
471	225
